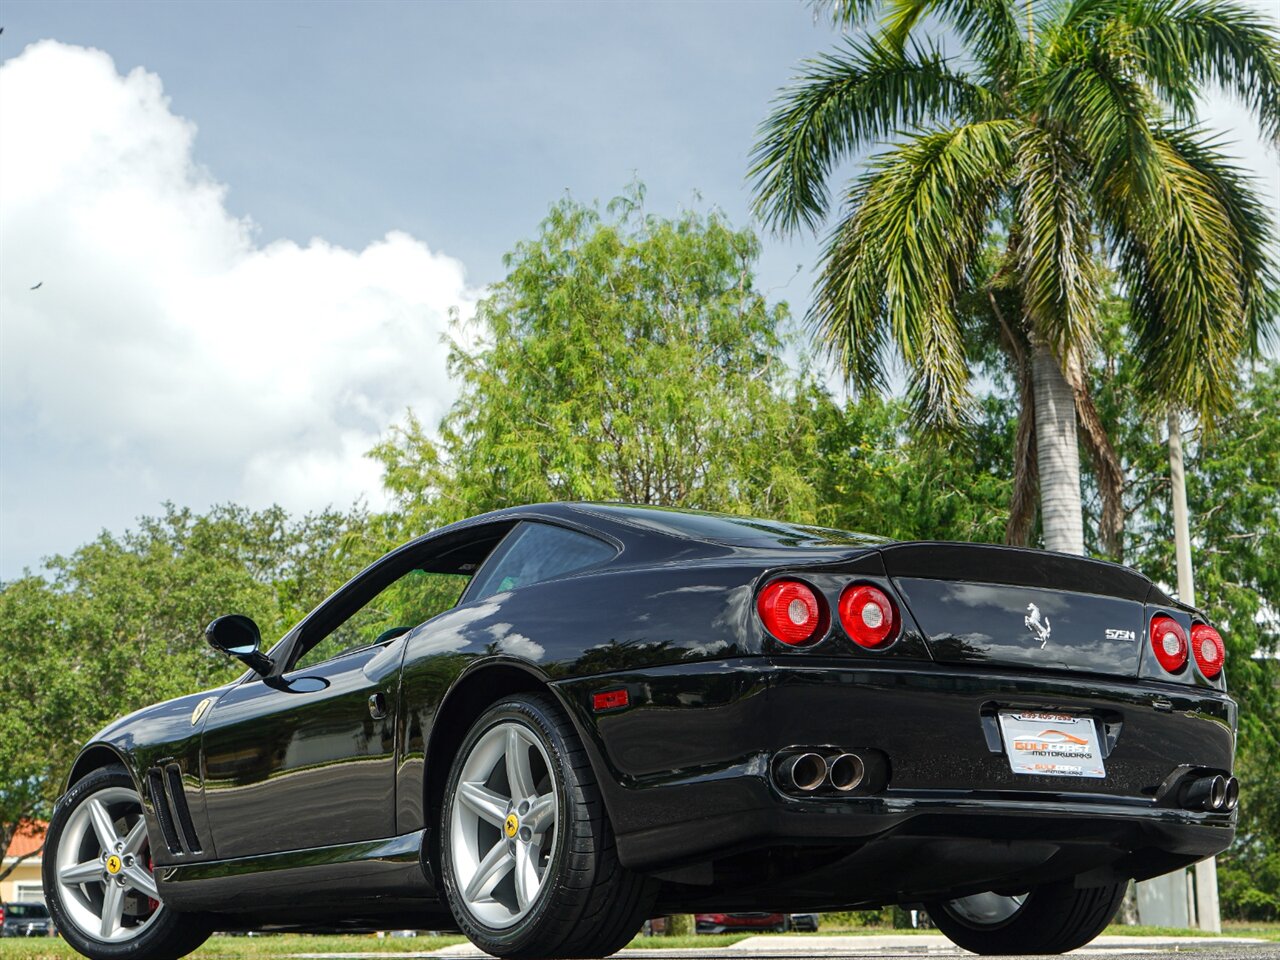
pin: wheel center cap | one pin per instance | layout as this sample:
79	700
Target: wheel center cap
512	825
113	864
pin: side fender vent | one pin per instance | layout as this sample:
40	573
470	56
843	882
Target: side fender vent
160	803
178	797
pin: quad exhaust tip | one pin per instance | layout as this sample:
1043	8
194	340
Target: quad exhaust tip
800	770
1232	798
1216	793
806	771
846	772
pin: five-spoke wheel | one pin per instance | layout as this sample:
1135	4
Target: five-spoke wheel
529	860
104	866
503	826
98	878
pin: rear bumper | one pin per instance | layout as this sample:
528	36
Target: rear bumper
686	771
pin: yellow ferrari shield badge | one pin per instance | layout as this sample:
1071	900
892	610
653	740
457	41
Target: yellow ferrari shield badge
113	864
512	826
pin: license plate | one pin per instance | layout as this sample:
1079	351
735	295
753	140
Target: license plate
1052	745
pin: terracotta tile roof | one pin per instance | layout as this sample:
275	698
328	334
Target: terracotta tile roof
29	836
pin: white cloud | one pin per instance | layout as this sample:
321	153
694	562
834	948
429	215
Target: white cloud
169	353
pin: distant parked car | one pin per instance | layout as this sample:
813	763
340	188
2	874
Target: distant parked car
804	921
734	922
25	920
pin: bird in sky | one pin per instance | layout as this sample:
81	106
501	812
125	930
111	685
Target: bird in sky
38	285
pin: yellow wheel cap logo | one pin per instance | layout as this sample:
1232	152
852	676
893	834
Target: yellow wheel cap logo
113	864
512	826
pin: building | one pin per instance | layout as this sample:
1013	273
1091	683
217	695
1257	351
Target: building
23	883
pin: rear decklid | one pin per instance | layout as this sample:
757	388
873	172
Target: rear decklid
1026	608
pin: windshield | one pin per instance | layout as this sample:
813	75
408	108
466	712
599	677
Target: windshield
727	528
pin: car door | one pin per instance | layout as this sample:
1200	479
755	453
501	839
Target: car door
305	757
306	761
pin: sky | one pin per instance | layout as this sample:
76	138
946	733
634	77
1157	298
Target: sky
247	225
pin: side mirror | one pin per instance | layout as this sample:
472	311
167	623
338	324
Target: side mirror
237	636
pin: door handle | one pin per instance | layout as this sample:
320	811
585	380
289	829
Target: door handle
377	706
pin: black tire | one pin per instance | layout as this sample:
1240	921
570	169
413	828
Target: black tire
171	935
589	905
1054	918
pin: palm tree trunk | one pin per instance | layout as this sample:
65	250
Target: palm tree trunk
1057	453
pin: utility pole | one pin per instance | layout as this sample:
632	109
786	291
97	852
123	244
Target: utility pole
1206	871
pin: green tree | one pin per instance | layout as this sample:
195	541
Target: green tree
1070	133
1233	491
879	476
627	357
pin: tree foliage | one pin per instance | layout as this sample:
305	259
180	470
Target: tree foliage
1233	495
623	357
1070	134
878	476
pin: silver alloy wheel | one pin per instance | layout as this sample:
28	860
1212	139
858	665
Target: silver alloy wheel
986	909
104	871
503	824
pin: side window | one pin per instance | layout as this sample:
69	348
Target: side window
413	599
536	552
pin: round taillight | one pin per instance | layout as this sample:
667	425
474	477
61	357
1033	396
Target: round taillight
1169	643
1208	649
791	611
868	616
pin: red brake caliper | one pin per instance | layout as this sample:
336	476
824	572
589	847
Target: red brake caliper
152	903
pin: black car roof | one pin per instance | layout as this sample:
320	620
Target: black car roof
707	526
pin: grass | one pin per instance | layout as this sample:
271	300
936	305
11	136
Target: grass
1245	928
688	942
224	948
1230	928
287	944
1138	930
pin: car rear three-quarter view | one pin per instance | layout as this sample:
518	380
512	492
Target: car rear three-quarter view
545	724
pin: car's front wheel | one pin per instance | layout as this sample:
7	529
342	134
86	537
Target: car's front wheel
529	860
98	879
1051	918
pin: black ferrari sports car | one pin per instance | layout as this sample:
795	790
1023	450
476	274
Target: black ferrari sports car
545	724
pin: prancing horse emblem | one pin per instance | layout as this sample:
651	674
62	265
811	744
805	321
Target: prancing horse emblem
1037	625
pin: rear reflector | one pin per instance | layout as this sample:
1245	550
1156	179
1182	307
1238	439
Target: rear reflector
868	616
791	611
610	700
1208	649
1168	643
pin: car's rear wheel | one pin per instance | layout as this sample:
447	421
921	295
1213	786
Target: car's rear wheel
529	860
1051	918
98	879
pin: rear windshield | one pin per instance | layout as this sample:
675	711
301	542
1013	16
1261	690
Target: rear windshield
26	911
727	528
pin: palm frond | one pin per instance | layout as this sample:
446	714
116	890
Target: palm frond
1181	261
1057	257
1087	93
1259	276
1182	46
894	266
845	13
989	28
842	102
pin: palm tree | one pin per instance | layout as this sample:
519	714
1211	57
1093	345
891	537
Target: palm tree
1067	129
